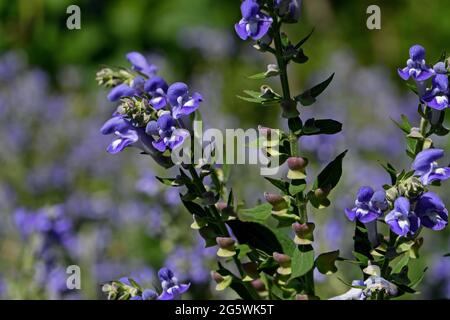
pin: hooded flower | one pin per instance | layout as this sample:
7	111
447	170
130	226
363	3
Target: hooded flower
140	64
416	66
172	290
157	88
254	23
182	104
426	167
167	135
289	10
120	91
431	211
402	220
437	96
369	205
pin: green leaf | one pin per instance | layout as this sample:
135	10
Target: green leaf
302	261
194	208
329	177
405	125
391	171
362	246
279	184
260	213
321	126
446	255
416	282
297	186
255	235
171	182
308	97
399	262
325	262
301	42
258	76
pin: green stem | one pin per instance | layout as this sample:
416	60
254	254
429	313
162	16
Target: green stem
222	227
293	139
422	130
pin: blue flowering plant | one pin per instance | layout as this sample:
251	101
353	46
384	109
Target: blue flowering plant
268	251
406	206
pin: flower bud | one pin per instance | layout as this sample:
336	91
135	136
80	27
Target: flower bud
297	163
322	193
217	277
225	243
259	285
226	247
278	202
303	233
282	259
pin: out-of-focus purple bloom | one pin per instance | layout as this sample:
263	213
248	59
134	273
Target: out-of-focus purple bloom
402	220
172	290
426	167
437	96
416	66
157	88
431	211
289	10
167	135
369	205
140	64
254	23
180	100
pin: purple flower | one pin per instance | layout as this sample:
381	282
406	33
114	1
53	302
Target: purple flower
369	205
167	135
127	134
437	96
426	167
254	23
171	289
416	66
289	10
120	91
402	220
140	64
431	211
182	104
157	88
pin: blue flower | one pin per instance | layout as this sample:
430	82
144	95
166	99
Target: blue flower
167	136
182	104
426	167
254	23
369	205
172	290
437	96
416	66
157	88
289	10
402	220
431	211
120	91
127	134
140	64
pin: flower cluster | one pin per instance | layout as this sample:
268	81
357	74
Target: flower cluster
150	111
436	96
408	212
129	289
